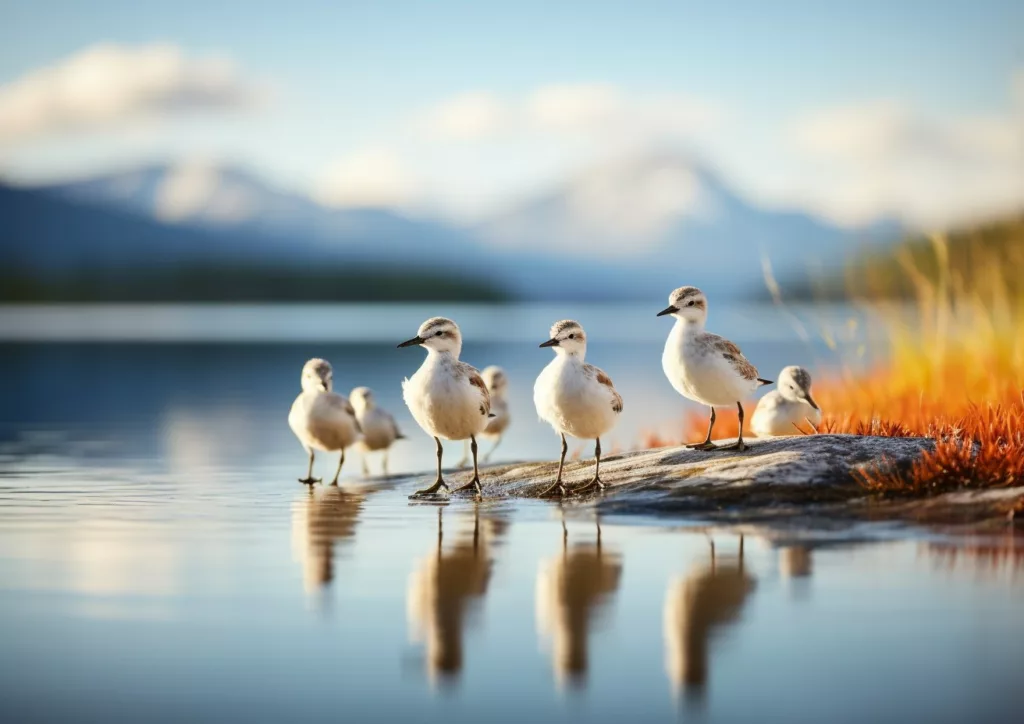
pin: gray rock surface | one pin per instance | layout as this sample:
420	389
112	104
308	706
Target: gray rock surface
799	481
799	465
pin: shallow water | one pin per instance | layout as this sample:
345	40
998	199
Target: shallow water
158	562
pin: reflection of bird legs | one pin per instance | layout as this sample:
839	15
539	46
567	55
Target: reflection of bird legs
711	544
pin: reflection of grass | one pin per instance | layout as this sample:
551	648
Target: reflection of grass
954	373
214	283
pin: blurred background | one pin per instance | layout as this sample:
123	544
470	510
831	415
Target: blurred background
316	179
208	151
197	197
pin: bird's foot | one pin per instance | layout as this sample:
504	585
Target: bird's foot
431	491
739	446
706	445
587	487
558	490
310	481
473	486
335	482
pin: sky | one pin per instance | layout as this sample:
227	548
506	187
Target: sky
853	110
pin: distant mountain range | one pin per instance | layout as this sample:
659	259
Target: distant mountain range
631	229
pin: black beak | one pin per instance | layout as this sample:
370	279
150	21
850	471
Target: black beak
550	343
811	402
668	310
412	342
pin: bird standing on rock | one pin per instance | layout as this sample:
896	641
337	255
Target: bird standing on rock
446	397
575	398
704	367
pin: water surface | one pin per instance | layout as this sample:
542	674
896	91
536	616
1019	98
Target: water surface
159	562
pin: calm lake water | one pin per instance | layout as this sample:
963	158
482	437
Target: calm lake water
159	561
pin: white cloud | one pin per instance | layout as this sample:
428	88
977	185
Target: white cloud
592	110
110	85
466	117
374	177
886	158
574	107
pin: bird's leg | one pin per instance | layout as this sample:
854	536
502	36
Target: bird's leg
439	483
337	473
707	444
490	452
465	456
366	466
739	444
309	479
474	484
596	480
559	487
384	464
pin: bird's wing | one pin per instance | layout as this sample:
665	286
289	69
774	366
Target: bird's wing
342	404
394	426
732	353
602	377
477	381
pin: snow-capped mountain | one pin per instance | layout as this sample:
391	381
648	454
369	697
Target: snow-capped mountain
621	230
664	217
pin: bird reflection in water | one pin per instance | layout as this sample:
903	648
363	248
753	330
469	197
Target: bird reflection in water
573	590
710	597
447	588
322	520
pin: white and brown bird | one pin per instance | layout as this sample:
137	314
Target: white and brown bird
447	397
497	387
575	398
322	419
704	367
379	428
789	407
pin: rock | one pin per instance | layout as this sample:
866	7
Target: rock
798	482
785	467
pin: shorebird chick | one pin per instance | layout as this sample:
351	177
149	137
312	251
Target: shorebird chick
575	398
784	409
322	419
378	426
446	397
704	367
497	387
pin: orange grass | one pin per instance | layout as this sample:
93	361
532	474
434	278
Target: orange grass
954	373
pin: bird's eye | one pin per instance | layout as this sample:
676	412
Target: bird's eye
572	336
439	334
690	303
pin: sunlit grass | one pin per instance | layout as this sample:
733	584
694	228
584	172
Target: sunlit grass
954	371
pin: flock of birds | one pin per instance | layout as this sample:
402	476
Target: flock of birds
451	400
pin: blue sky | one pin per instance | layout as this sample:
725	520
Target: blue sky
348	91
